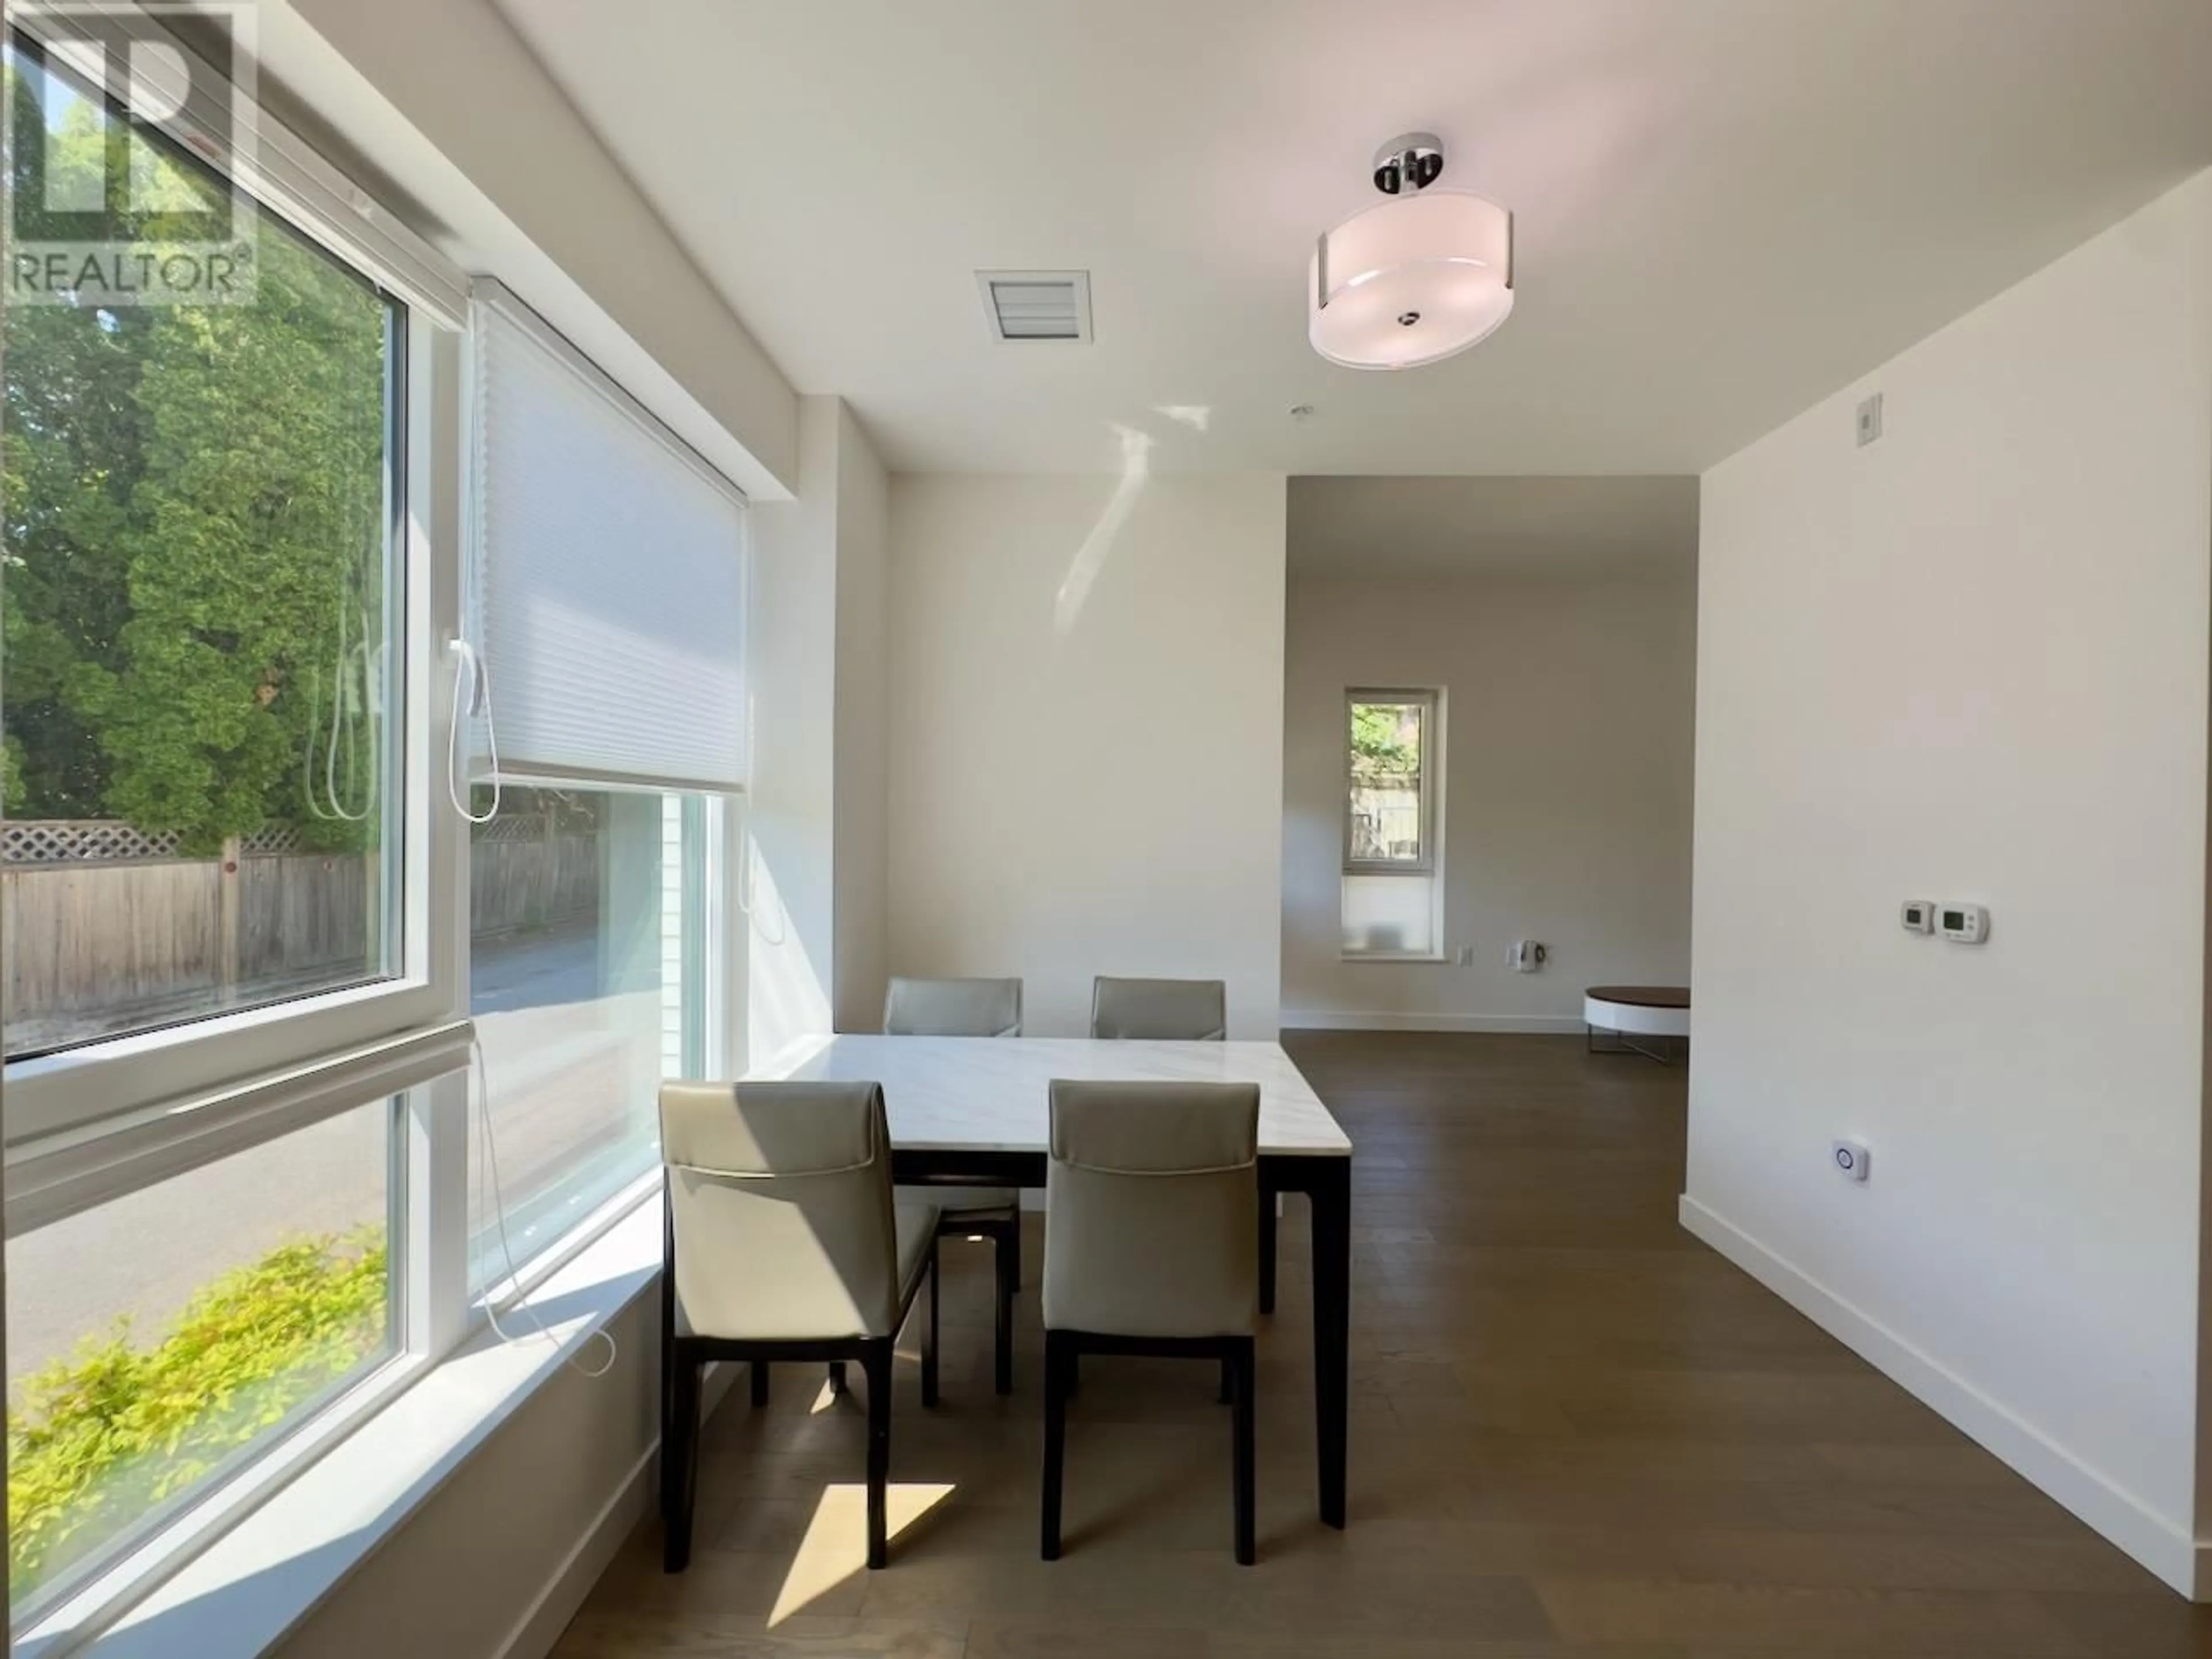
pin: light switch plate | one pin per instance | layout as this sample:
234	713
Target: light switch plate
1869	421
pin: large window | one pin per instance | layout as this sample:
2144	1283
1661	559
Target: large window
228	959
157	1341
1392	893
201	589
258	909
587	985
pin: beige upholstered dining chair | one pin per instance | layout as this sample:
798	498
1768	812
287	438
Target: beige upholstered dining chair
1153	1195
783	1242
1179	1010
953	1007
1184	1009
984	1008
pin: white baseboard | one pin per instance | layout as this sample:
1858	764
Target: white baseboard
549	1613
1324	1019
540	1628
2165	1548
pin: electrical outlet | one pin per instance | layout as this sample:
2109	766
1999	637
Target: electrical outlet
1870	426
1851	1159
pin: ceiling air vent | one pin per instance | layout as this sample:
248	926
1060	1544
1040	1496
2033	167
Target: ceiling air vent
1036	305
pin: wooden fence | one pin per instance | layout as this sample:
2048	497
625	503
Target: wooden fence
531	871
102	929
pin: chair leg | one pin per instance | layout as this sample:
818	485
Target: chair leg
876	1367
759	1369
1013	1252
1009	1270
679	1454
929	1334
1059	1373
1239	1364
838	1386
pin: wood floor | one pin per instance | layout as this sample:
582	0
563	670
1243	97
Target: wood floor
1575	1434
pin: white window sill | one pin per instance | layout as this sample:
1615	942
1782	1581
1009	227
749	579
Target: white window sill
250	1588
1436	956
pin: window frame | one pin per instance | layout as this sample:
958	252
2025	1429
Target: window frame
71	1090
1429	701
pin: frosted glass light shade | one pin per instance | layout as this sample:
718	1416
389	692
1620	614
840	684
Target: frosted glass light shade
1411	280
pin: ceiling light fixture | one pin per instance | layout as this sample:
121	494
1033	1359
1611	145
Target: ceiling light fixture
1415	279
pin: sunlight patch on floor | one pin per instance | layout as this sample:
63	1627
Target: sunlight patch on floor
836	1542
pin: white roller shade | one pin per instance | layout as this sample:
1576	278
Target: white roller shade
608	578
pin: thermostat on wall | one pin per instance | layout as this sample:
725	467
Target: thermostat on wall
1919	915
1968	924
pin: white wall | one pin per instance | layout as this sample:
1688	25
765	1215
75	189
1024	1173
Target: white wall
815	811
790	810
1567	770
1970	662
862	845
496	1561
1087	734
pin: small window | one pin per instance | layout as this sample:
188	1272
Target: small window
1393	755
1389	809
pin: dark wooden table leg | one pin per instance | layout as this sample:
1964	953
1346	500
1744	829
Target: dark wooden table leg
1331	1195
1269	1200
667	1351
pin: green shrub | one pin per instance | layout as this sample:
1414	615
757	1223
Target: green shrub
102	1437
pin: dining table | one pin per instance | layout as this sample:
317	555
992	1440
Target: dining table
975	1112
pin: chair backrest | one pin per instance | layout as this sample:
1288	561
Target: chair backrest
1153	1194
953	1007
780	1203
1185	1009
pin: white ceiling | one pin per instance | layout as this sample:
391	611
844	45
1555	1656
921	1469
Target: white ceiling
1461	525
1726	209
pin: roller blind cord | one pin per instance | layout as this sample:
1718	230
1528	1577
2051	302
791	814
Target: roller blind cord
471	687
507	1250
354	706
748	892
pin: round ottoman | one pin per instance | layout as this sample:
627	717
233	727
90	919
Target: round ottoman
1659	1013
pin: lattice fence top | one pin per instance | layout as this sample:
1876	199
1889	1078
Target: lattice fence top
517	826
82	840
271	838
105	840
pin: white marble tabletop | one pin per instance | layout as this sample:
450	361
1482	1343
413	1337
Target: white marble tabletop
989	1094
